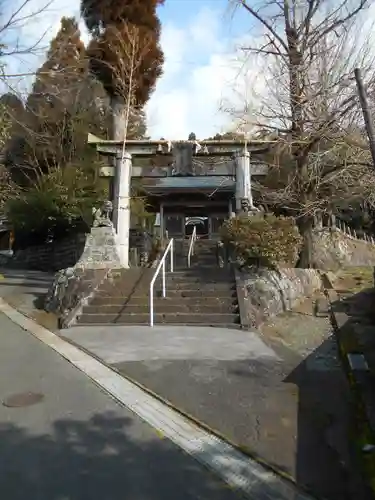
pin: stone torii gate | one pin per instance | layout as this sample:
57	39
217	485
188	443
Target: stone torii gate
181	155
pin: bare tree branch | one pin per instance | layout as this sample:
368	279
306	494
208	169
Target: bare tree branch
311	102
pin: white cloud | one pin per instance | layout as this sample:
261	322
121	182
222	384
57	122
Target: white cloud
33	26
206	72
203	69
188	95
197	67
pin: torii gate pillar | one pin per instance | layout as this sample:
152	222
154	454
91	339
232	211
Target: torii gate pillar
121	205
243	180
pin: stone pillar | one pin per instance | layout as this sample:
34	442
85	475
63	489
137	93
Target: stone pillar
333	221
243	180
162	224
121	205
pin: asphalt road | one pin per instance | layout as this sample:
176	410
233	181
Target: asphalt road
75	442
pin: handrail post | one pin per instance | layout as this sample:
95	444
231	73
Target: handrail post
151	304
172	256
161	267
163	276
192	240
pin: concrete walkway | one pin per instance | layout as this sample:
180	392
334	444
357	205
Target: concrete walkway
282	396
76	443
117	344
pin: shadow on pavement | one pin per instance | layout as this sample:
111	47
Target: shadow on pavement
297	416
99	459
325	457
354	315
326	460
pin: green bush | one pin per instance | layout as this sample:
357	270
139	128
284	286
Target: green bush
57	203
263	240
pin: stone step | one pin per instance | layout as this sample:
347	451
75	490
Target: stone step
197	254
144	318
198	285
171	293
196	279
170	284
231	326
159	301
202	273
199	266
205	258
163	308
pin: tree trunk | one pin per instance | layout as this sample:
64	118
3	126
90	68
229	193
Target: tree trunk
305	227
118	117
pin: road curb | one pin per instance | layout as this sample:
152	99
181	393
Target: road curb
231	464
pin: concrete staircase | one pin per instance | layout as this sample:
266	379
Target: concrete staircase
203	294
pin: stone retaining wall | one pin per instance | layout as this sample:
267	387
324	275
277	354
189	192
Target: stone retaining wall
333	250
51	256
73	286
264	293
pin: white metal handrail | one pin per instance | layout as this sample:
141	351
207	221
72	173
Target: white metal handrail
192	241
161	266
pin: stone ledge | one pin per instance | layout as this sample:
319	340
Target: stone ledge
263	293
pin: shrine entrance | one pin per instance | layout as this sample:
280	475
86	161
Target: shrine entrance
180	225
178	218
187	184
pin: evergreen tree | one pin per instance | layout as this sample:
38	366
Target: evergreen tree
125	52
57	169
66	102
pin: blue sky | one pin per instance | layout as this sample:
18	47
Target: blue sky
198	39
206	77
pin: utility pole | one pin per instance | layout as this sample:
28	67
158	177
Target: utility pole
366	112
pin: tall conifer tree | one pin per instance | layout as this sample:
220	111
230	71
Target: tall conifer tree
125	52
66	102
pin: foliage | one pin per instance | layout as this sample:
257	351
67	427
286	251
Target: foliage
58	203
102	17
262	239
311	104
227	136
118	49
125	54
7	189
5	125
140	215
65	103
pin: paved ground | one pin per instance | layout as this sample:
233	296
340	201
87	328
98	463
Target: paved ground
25	290
77	443
280	393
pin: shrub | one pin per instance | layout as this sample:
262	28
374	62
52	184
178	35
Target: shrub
57	203
264	240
